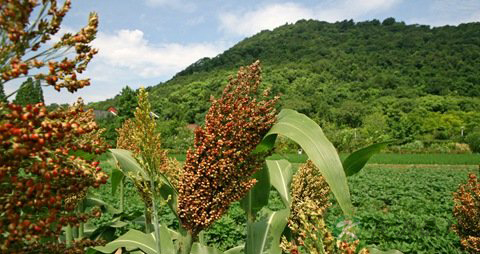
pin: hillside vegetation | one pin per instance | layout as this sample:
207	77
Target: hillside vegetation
373	80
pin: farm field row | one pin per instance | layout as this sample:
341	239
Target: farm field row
404	208
391	158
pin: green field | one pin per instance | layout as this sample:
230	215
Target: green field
390	158
409	209
402	207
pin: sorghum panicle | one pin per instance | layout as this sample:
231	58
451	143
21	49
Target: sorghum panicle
310	194
24	35
219	167
467	213
41	182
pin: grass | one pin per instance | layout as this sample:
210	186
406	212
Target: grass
390	158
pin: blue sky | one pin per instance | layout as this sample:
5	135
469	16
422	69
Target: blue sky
144	42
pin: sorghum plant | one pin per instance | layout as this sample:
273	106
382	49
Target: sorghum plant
141	136
23	41
219	167
40	180
306	222
310	201
467	213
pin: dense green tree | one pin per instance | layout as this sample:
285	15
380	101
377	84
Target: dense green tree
127	102
39	91
30	92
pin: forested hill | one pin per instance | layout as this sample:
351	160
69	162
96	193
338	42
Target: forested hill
348	74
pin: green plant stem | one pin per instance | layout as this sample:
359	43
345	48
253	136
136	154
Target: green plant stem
69	236
201	238
122	194
148	221
250	221
187	243
81	228
155	216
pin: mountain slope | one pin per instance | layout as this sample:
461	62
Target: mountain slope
342	73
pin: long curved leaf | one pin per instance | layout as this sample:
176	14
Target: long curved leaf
357	160
263	236
104	206
280	172
257	197
132	240
116	179
304	131
127	163
236	250
166	242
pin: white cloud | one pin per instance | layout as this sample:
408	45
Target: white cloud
130	50
126	57
274	15
264	18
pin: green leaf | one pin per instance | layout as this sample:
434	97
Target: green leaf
280	177
132	240
166	242
236	250
304	131
127	163
116	179
198	248
264	235
168	192
357	160
257	197
104	206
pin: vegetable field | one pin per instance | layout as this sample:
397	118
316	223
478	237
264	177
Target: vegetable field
392	158
405	208
408	209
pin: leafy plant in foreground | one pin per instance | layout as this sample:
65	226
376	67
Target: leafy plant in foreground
140	136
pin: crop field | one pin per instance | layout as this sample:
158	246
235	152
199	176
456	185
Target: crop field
391	158
408	209
401	207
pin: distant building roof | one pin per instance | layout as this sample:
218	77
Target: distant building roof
113	110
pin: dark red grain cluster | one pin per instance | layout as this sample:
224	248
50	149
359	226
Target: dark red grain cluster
40	179
218	169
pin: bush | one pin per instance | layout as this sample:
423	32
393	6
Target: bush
473	140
